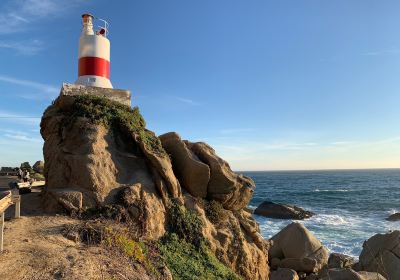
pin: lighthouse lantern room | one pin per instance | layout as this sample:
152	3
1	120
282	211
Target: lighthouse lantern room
94	54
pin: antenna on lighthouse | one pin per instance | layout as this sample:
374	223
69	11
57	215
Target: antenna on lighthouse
94	54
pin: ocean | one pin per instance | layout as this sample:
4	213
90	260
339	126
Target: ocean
350	205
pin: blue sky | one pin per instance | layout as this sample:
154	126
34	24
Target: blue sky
310	84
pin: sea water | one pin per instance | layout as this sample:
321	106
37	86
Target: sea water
350	205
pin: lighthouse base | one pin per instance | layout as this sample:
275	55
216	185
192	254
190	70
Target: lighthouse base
119	95
94	81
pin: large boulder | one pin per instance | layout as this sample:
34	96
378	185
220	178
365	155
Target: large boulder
337	260
232	190
191	172
296	241
38	166
282	211
284	274
381	253
350	274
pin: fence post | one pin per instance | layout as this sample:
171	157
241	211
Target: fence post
1	231
17	201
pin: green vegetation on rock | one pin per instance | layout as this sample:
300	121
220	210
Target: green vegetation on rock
186	224
185	261
119	117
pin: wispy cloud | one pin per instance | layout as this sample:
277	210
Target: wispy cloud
187	101
21	137
45	88
19	118
17	16
235	130
382	52
30	47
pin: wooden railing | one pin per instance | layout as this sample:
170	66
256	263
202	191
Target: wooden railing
7	199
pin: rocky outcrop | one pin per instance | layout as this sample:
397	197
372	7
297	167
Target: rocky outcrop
193	174
232	190
394	217
98	152
38	167
381	253
298	249
282	211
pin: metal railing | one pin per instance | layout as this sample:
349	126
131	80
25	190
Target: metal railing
7	199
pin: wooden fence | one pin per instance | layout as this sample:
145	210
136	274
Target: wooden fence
7	199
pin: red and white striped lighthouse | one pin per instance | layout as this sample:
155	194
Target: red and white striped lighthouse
94	55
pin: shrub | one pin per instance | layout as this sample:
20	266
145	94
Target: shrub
185	261
186	224
215	212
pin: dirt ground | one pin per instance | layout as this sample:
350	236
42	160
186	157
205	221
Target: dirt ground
35	248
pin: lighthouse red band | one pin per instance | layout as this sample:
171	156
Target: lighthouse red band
94	66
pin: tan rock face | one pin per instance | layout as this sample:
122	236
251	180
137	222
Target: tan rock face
381	253
239	247
193	174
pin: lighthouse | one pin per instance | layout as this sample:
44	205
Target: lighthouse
94	54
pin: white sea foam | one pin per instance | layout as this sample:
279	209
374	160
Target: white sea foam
336	190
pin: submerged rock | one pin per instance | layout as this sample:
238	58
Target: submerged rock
282	211
394	217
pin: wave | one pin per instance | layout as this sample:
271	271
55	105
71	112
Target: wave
337	190
327	219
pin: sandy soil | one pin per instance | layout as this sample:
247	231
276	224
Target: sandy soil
35	248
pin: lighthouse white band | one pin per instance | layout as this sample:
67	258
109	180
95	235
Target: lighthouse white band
94	46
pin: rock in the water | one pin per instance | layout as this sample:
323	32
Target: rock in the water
38	167
394	217
232	190
193	174
381	253
284	274
337	260
282	211
296	241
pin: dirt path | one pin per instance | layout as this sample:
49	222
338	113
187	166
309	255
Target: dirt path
35	248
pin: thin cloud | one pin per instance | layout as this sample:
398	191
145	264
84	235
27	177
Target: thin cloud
21	137
235	130
18	118
187	101
17	16
49	89
31	47
382	52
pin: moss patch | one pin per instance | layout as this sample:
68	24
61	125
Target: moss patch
121	118
185	261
